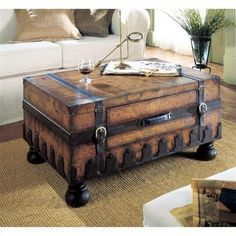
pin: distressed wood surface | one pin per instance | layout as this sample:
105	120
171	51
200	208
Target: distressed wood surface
51	147
83	153
61	156
126	98
122	114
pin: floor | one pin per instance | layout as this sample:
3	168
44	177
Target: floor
228	92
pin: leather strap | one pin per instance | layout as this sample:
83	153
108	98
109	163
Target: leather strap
100	135
202	107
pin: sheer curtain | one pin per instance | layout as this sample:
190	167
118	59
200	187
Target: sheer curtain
169	35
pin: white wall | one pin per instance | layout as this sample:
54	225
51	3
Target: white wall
230	50
217	48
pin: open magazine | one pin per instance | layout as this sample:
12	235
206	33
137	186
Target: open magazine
142	67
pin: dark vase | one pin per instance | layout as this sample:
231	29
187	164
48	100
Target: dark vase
201	49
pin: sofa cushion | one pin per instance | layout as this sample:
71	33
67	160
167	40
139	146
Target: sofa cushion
93	23
11	95
29	57
45	24
94	47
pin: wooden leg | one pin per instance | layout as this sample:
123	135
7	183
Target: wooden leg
206	152
33	157
77	195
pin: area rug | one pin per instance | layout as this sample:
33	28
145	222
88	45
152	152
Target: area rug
33	195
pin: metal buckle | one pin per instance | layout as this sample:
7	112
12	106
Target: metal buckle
202	108
101	129
201	86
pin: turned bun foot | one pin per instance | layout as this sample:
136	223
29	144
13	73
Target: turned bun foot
77	195
206	152
33	157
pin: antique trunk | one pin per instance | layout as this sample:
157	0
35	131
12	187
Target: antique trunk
116	122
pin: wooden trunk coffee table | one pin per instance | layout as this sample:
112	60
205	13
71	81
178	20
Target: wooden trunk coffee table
117	122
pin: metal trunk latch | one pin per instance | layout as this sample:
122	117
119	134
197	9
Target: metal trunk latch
202	108
100	134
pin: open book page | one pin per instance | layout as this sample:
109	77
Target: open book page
143	67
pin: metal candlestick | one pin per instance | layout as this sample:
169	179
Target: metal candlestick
133	37
121	65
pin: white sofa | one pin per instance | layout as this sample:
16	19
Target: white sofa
18	60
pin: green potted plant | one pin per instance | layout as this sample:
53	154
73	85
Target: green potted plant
200	30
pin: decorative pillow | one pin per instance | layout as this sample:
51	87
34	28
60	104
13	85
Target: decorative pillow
45	24
93	22
214	202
